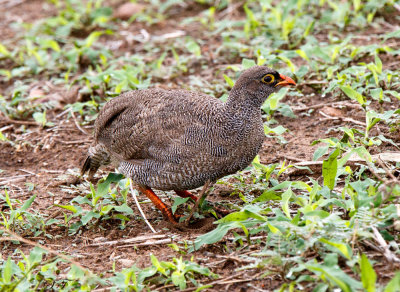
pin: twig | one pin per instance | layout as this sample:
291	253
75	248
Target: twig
14	178
389	173
77	124
234	258
316	106
147	243
53	215
134	195
74	142
387	253
231	8
290	158
370	168
237	281
27	171
5	128
14	237
10	121
372	246
53	171
202	196
63	113
130	240
343	119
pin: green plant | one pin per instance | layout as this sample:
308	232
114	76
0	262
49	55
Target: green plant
16	217
104	204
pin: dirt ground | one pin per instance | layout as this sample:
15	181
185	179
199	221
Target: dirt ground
51	158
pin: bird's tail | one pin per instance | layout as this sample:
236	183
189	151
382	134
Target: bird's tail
97	156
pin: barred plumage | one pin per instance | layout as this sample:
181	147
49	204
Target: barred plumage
177	139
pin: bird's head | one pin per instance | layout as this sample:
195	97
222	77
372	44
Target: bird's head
257	83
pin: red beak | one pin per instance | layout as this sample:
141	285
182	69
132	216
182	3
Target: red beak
285	81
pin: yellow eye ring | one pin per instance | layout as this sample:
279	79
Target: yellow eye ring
269	78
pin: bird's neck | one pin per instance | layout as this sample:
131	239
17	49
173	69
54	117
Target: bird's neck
240	113
240	100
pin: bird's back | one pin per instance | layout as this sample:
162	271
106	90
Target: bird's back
175	139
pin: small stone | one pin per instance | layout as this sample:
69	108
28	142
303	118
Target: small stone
35	93
333	112
126	263
100	239
126	10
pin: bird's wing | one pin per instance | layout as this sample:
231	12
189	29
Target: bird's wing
155	124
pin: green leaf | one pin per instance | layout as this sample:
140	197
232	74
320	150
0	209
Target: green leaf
377	93
371	119
7	271
320	151
378	64
248	63
71	208
4	51
285	202
336	276
76	272
40	117
229	81
49	44
273	229
320	213
266	195
6	73
102	188
36	255
302	54
248	212
351	93
394	284
105	209
8	201
178	278
288	62
368	275
85	219
272	102
362	153
27	203
215	235
193	47
124	208
329	169
92	38
177	202
2	137
343	248
157	264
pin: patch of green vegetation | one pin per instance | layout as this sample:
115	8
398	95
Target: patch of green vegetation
103	204
16	217
37	271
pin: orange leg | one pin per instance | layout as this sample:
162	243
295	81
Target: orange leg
186	194
158	203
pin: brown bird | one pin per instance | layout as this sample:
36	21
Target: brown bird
177	139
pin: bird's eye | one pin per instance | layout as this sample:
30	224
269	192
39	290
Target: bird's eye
269	78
